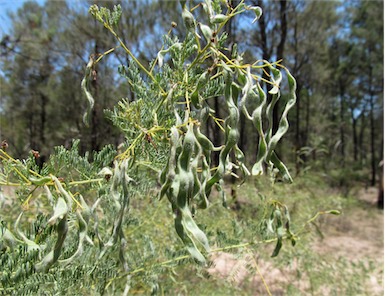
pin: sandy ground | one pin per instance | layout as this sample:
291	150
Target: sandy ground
357	237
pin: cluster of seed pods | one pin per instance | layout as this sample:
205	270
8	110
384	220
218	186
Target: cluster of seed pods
188	177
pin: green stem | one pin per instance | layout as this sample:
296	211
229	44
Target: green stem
85	181
201	52
143	68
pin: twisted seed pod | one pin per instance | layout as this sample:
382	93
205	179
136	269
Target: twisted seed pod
192	228
247	88
184	168
283	123
85	86
40	181
204	142
195	161
187	148
218	19
204	113
83	229
53	255
188	19
202	80
257	121
282	129
168	174
184	186
240	157
207	147
63	192
231	132
207	32
187	240
203	201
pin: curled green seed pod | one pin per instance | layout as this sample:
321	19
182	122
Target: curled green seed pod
257	121
281	167
205	113
187	148
190	225
207	32
242	79
188	19
60	211
240	157
83	228
54	254
232	139
195	99
282	126
176	46
85	88
168	174
200	197
208	8
247	90
202	81
63	192
234	51
7	238
257	11
196	160
205	143
186	238
178	120
186	187
218	19
226	69
231	132
40	181
277	79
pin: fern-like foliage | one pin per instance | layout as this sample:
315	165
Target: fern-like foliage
77	226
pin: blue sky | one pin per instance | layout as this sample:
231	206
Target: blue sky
12	6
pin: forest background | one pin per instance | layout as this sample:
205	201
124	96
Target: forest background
334	49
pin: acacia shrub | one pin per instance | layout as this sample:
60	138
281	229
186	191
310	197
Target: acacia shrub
76	231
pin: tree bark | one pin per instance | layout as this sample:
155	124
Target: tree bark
380	200
361	138
372	129
372	142
43	118
342	123
298	157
